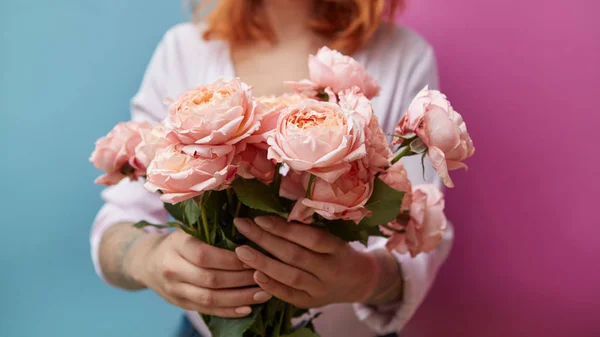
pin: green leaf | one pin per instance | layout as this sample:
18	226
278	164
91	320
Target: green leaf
372	231
231	327
191	212
384	203
190	231
299	312
226	243
349	231
303	333
143	224
279	324
176	211
258	328
215	203
273	306
369	231
253	213
345	230
257	195
219	209
185	228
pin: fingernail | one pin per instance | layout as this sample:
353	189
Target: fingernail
260	277
243	310
262	296
265	222
242	224
245	253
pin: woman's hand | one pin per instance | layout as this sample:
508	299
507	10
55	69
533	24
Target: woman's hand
316	268
195	276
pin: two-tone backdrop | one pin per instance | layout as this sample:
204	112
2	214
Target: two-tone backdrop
524	73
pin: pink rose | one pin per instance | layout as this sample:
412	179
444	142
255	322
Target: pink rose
221	113
443	130
330	68
115	153
293	185
418	109
269	108
344	199
152	140
426	226
180	176
282	101
252	163
317	137
396	177
378	150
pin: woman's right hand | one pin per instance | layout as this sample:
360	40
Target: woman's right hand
195	276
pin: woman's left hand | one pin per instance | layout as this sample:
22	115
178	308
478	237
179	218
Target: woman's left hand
315	268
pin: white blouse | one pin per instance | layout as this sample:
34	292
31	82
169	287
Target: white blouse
400	60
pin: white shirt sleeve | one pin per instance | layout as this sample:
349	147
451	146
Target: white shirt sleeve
128	201
419	273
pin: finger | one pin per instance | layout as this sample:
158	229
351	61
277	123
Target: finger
220	298
315	239
296	297
206	256
226	312
277	270
284	250
221	312
186	272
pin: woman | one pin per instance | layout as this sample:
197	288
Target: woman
264	42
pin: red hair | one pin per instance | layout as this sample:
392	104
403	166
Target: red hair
347	24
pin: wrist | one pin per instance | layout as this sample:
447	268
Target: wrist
387	281
370	279
137	262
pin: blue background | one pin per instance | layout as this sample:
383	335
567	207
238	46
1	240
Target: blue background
67	71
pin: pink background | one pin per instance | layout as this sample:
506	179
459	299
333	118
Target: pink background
525	74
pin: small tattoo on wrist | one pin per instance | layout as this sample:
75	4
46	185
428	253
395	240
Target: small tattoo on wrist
122	276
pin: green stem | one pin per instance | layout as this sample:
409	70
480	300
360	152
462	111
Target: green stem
280	324
229	198
238	207
276	179
205	225
232	231
401	154
289	311
310	183
232	225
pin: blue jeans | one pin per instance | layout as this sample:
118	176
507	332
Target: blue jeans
187	330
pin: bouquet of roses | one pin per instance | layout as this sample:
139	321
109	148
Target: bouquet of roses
318	157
